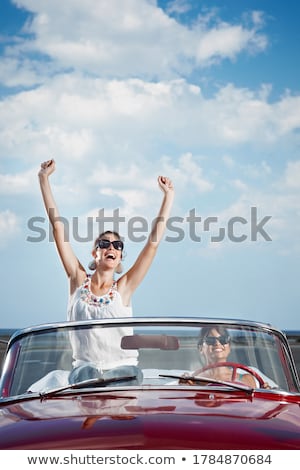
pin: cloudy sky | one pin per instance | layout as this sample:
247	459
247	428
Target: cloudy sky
121	91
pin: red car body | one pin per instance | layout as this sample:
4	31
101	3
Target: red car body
154	416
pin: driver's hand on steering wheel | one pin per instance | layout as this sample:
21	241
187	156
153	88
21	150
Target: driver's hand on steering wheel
184	381
266	386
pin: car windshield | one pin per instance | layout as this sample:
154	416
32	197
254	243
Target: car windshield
146	353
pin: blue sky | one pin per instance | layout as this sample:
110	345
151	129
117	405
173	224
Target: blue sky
119	92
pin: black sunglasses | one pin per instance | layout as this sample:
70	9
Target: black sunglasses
212	340
117	244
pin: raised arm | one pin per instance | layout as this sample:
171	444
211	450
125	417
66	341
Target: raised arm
73	268
130	280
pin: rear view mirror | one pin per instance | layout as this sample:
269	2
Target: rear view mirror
165	342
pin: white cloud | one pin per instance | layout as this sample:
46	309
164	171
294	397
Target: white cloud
15	72
132	186
287	113
82	118
292	176
115	130
226	41
128	38
18	183
280	200
133	189
255	171
119	176
186	173
240	185
178	6
9	227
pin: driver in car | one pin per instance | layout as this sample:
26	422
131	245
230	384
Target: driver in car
214	345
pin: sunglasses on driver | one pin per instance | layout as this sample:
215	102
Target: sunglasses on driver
212	340
117	244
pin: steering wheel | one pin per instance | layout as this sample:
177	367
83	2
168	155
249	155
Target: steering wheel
234	366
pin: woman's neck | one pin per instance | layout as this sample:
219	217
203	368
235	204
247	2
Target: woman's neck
103	279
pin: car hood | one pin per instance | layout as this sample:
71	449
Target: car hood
152	419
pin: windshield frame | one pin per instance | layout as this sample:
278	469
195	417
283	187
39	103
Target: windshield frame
285	356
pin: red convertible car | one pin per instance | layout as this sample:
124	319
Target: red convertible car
150	383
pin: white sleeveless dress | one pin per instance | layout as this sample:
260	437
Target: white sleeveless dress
99	347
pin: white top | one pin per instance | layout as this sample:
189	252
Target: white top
99	346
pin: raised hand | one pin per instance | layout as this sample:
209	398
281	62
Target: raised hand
165	184
47	168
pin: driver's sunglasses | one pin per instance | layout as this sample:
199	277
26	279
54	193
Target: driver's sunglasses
117	244
212	340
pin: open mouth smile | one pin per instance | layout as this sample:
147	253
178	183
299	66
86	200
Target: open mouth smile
110	256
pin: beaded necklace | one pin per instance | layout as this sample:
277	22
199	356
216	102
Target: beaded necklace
87	296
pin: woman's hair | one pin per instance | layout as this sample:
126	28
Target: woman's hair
206	330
